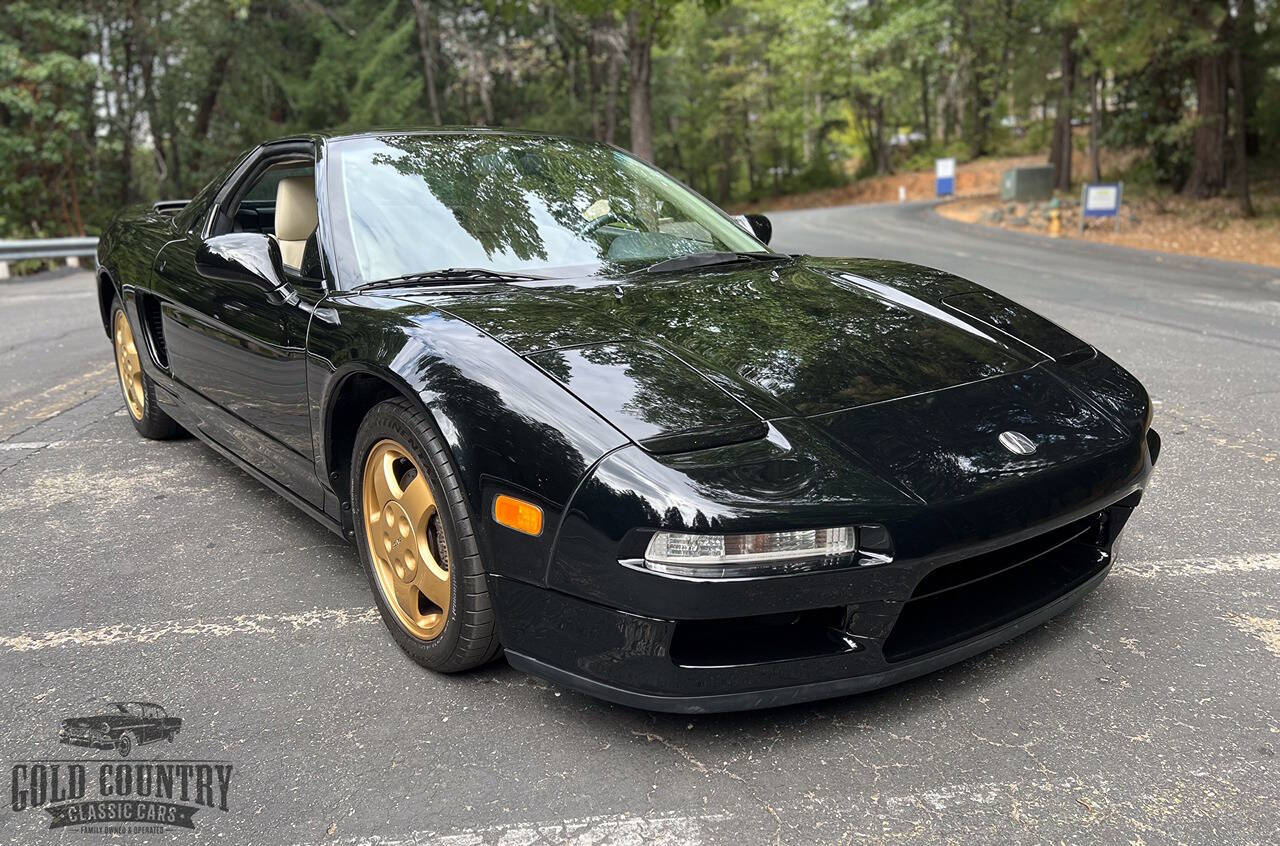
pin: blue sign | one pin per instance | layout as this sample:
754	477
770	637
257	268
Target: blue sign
944	177
1101	200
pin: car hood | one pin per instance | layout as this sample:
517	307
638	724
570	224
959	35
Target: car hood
669	359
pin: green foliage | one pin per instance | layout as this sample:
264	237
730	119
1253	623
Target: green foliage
114	101
923	159
45	85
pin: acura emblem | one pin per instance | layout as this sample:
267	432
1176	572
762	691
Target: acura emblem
1017	443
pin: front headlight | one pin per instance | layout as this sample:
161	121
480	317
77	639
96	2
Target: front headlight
763	553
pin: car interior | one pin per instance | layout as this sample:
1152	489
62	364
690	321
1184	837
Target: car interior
282	202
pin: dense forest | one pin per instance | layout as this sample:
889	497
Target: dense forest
110	102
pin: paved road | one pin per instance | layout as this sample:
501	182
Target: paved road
1149	714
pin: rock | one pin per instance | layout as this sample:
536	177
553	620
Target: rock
995	215
1021	220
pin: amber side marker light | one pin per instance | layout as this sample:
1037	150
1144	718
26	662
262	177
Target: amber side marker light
517	514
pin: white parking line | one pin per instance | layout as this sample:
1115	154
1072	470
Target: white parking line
1268	308
11	300
27	445
603	830
1264	629
1180	567
253	624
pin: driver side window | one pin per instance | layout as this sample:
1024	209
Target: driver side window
282	202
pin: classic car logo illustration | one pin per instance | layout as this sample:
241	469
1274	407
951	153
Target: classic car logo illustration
105	795
123	726
1017	443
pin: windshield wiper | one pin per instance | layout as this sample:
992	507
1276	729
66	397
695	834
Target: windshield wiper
450	275
710	259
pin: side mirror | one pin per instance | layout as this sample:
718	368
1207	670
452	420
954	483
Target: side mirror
761	226
246	257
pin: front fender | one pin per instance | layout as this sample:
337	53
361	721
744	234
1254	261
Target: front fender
510	428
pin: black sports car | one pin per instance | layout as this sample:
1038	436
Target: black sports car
563	404
124	726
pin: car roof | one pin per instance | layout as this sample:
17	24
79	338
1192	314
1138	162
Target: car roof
333	135
135	702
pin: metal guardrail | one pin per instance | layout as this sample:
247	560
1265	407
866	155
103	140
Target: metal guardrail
72	249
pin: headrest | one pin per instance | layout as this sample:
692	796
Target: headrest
296	208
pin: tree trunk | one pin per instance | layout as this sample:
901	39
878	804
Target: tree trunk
1209	166
977	114
128	122
1061	150
593	87
640	32
613	85
205	105
883	164
677	159
1095	163
427	55
1254	66
1239	147
73	191
808	121
483	86
146	64
951	107
726	169
926	109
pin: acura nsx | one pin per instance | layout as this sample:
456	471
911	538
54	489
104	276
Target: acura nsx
567	409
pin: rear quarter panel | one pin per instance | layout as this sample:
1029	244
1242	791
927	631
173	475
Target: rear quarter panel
127	249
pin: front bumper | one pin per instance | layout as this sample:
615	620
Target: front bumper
82	740
804	692
851	642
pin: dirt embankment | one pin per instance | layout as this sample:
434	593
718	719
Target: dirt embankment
1208	228
1153	221
972	179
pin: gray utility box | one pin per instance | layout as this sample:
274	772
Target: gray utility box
1025	184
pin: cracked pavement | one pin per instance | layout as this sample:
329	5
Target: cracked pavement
1147	714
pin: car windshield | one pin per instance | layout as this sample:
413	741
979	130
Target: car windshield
404	204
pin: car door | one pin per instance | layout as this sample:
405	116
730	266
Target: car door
238	352
149	729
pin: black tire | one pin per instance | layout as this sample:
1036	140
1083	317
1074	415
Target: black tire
154	424
470	637
124	745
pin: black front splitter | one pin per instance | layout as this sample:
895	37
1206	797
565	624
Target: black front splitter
779	696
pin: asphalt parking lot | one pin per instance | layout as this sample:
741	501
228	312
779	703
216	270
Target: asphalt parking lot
1148	714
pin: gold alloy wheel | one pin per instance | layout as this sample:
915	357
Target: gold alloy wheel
129	365
406	540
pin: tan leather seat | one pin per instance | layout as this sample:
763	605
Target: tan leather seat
295	217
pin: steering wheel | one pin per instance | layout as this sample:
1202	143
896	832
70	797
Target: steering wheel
612	217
